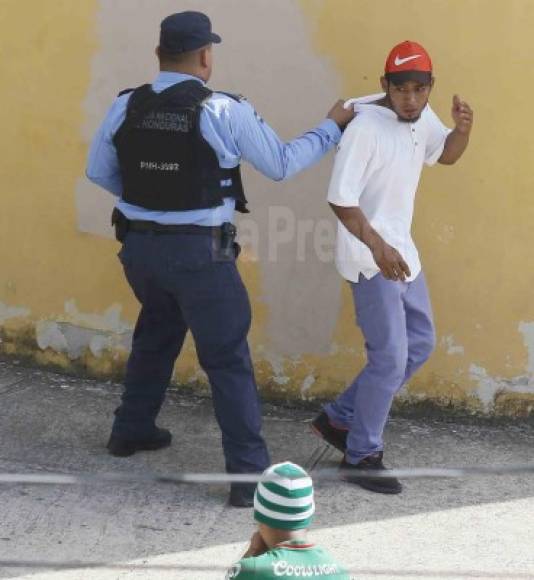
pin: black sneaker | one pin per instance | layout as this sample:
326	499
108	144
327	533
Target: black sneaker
125	447
389	485
242	495
332	435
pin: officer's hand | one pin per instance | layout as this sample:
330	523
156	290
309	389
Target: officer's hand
390	262
340	115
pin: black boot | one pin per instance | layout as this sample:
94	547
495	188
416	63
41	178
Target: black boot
242	495
351	473
125	447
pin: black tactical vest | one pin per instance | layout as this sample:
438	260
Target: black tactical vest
165	162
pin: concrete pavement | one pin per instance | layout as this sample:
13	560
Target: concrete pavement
474	528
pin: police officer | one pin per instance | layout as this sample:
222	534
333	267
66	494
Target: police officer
170	153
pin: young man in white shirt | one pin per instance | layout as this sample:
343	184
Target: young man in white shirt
372	192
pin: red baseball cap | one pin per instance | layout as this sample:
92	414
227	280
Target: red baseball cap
408	56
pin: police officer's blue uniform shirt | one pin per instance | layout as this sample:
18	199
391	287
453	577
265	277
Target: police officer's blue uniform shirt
234	131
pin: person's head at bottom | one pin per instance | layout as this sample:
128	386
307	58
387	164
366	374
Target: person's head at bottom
283	504
284	508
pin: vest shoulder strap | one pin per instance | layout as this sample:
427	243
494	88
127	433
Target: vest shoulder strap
233	96
125	92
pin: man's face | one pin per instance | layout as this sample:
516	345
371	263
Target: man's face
407	99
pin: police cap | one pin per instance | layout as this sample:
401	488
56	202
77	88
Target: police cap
186	31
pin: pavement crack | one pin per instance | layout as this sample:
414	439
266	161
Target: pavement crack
13	387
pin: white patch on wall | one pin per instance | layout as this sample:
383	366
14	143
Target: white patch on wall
293	94
98	344
49	335
81	332
282	366
527	330
488	387
94	207
9	312
109	321
447	342
199	376
307	384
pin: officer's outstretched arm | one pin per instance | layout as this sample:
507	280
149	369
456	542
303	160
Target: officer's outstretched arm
261	147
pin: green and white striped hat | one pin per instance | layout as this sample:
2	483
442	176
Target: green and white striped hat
284	497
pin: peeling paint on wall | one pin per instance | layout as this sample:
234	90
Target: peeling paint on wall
448	343
306	385
489	388
75	340
527	330
277	367
109	321
10	312
81	332
50	336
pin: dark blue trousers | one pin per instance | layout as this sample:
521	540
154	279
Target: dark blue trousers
183	284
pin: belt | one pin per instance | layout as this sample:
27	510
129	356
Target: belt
147	226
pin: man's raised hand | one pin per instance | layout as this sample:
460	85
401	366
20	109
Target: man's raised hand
462	115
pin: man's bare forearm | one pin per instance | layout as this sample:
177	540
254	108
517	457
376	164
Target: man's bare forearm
358	225
387	258
457	141
455	145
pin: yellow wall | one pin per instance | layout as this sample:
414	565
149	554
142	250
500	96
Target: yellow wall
63	300
44	261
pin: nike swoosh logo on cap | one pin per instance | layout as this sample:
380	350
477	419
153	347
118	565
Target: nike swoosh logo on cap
399	60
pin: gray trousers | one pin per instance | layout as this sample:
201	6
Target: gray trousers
396	321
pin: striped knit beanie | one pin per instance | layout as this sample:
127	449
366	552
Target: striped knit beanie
284	497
